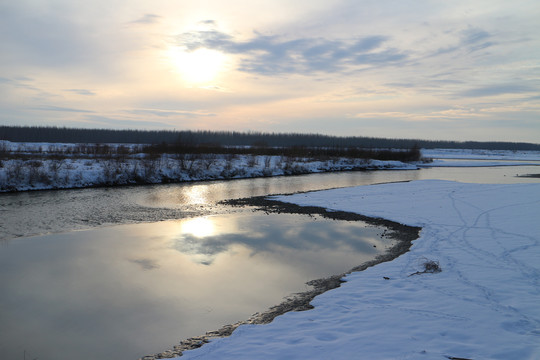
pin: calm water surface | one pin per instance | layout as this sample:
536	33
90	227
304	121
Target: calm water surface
127	283
126	291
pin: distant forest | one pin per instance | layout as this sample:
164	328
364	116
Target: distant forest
233	138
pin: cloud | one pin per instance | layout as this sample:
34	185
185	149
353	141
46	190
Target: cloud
469	40
495	90
82	92
207	22
146	264
98	120
457	112
60	109
474	36
169	113
147	19
214	88
42	40
431	82
533	98
57	38
21	82
476	39
271	55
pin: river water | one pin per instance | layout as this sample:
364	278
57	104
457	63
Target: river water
42	212
118	273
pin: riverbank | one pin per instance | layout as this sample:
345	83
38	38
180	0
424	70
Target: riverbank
48	174
49	166
468	287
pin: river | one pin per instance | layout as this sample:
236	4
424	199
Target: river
118	273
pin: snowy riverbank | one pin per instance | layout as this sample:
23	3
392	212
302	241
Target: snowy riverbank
39	166
482	305
22	175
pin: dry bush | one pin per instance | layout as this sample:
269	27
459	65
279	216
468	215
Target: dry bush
430	267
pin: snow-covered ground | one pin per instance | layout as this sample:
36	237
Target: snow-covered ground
475	163
509	155
469	158
484	304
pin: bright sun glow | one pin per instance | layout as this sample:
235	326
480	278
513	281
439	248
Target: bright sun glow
199	66
196	195
198	227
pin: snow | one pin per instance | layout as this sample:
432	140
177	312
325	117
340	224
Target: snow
20	175
469	158
31	170
474	163
482	305
479	154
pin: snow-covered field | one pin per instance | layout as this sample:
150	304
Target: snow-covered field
469	158
509	155
69	171
484	304
471	163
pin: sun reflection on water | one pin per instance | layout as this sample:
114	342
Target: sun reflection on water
199	227
197	194
203	239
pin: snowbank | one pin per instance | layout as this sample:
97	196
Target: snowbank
482	305
38	166
21	175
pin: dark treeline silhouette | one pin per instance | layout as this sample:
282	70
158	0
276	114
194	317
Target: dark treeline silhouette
75	135
233	138
321	153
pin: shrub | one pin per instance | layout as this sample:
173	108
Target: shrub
430	266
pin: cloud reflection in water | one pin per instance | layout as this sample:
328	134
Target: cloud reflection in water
205	238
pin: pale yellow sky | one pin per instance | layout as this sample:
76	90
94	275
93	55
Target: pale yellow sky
456	70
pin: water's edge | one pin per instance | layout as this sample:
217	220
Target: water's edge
402	234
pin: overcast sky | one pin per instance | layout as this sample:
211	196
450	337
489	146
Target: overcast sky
454	70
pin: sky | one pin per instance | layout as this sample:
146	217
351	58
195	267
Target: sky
425	69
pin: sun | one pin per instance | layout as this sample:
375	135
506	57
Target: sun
199	66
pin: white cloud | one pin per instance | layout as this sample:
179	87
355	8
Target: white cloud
147	19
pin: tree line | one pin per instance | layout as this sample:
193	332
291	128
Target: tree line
312	152
233	138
